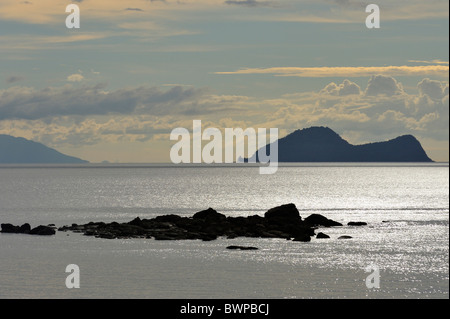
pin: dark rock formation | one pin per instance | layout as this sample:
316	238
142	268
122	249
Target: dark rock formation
345	237
279	222
26	229
357	224
321	144
42	230
303	237
319	220
9	228
241	248
288	212
322	236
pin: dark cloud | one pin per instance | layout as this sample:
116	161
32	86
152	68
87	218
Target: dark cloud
14	79
134	9
383	85
434	89
251	3
30	104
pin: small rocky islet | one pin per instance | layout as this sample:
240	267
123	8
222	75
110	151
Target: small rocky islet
279	222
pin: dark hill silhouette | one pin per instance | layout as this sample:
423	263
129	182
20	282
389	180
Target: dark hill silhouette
321	144
17	150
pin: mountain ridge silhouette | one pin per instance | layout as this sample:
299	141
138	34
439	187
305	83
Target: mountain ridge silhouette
18	150
322	144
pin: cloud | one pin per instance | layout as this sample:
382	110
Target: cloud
250	3
14	78
434	89
383	85
75	78
345	88
429	62
318	72
31	104
134	9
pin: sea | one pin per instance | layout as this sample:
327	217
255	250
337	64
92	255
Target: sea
403	252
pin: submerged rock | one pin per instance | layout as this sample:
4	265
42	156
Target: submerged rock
345	237
357	224
322	236
303	238
242	248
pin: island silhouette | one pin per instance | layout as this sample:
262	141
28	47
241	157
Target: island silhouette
322	144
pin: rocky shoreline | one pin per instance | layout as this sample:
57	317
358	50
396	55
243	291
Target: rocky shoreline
279	222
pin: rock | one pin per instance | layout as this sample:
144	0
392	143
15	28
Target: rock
209	215
9	228
279	222
345	237
357	224
322	236
25	228
169	219
284	212
319	220
42	230
303	238
241	248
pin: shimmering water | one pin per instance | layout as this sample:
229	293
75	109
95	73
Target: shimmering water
406	207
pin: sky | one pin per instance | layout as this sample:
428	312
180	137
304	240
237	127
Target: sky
135	70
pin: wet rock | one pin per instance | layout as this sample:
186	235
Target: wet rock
322	236
42	231
12	229
241	248
357	224
303	238
279	222
319	220
283	213
209	215
345	237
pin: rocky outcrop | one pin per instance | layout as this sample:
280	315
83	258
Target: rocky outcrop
241	248
26	229
279	222
316	220
357	224
282	222
322	236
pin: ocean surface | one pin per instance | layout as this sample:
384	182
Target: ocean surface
406	207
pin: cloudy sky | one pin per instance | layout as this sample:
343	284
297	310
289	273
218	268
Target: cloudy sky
115	88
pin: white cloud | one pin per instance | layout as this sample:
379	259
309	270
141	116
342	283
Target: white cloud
75	78
345	88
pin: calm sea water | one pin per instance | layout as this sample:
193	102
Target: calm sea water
406	207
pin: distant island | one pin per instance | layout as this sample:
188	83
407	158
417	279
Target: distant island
322	144
18	150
